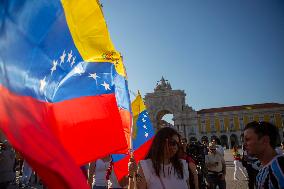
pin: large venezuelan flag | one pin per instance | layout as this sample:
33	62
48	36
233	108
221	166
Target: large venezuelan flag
63	89
142	137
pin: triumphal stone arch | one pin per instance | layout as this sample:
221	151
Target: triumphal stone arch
164	101
224	124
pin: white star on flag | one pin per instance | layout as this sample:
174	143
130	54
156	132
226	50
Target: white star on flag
42	84
78	70
62	57
73	61
54	66
144	126
143	120
94	76
106	86
146	134
144	115
69	56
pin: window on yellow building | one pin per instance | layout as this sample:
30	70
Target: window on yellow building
241	121
222	127
231	123
231	126
212	127
192	130
272	120
282	118
203	128
261	118
250	118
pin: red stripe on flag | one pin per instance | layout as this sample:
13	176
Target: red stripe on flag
24	123
126	119
90	127
121	167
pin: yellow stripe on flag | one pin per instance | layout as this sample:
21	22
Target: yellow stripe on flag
90	34
137	107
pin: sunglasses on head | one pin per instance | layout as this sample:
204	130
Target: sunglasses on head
262	124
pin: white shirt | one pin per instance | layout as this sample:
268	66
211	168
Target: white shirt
170	179
212	158
100	175
220	149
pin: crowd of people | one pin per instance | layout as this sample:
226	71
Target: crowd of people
173	163
11	162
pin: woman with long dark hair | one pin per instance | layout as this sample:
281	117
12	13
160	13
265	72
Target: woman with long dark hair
162	168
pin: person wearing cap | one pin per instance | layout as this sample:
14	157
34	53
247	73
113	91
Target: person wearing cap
216	167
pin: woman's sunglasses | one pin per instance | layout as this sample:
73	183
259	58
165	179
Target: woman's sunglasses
173	143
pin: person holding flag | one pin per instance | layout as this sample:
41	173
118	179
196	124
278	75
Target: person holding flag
63	87
162	167
141	139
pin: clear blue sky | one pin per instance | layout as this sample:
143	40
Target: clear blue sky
221	52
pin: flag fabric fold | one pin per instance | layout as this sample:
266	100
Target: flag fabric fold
142	137
64	97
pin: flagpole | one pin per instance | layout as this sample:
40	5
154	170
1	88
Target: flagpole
130	137
131	133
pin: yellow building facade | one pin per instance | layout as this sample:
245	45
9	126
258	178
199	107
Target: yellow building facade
226	123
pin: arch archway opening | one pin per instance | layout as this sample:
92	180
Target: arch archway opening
234	140
224	141
165	119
